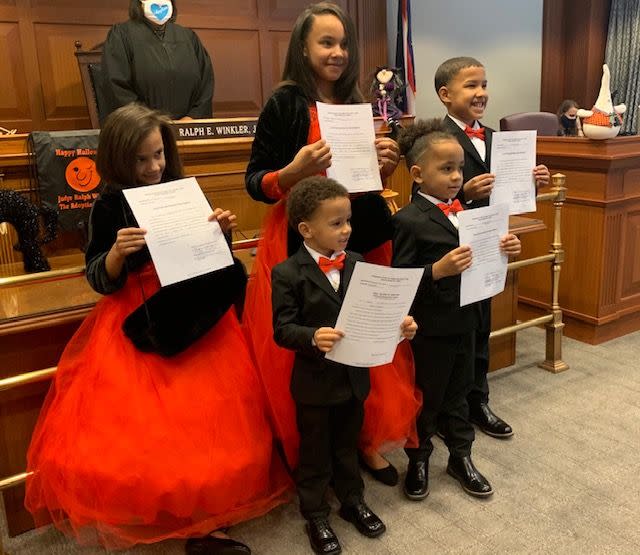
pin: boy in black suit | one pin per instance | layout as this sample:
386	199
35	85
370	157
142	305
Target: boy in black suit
426	235
461	85
307	293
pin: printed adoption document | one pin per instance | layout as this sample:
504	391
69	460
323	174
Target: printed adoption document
513	157
377	300
182	242
481	229
349	132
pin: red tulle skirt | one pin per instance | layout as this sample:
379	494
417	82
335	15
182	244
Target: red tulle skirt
393	402
131	447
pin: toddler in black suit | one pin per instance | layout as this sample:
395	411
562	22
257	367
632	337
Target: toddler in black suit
461	85
426	235
307	293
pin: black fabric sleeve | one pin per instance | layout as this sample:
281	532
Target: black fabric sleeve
201	102
405	253
287	331
282	130
103	228
117	78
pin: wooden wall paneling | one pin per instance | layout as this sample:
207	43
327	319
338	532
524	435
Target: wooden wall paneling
277	43
288	10
218	14
238	89
64	100
14	98
573	44
553	58
78	12
371	22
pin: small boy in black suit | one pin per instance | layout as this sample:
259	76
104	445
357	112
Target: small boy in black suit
426	235
307	293
461	84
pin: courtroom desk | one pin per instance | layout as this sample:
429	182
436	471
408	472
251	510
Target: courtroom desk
600	276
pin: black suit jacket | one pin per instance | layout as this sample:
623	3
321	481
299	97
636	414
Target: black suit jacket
473	164
303	301
422	236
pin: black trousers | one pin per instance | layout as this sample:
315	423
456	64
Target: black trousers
480	391
444	373
329	449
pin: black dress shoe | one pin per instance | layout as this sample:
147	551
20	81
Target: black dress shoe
210	545
416	482
387	475
322	538
474	483
489	423
364	519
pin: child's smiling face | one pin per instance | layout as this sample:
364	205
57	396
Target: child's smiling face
465	96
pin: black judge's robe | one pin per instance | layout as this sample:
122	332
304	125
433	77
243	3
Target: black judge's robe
173	73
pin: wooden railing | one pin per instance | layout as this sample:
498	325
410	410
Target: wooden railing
553	321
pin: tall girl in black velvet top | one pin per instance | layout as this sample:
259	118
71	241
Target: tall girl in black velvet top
321	65
133	447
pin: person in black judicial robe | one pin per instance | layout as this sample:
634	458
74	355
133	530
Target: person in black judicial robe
165	67
443	347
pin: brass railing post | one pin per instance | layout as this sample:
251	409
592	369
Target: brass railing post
553	346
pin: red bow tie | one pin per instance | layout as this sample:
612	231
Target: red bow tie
327	265
452	208
477	133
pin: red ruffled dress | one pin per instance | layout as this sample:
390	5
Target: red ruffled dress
394	401
131	447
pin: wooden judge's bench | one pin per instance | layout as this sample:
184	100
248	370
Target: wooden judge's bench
37	319
600	278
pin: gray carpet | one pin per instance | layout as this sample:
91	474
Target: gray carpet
567	482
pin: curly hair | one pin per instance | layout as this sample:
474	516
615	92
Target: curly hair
448	69
307	194
415	139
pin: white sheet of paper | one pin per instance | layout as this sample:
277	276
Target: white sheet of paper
513	157
182	242
482	229
377	300
349	132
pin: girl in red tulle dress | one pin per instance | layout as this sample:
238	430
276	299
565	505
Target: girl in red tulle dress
133	447
287	147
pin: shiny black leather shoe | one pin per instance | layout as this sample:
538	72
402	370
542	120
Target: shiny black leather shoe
387	475
489	423
322	538
364	519
416	482
210	545
474	483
